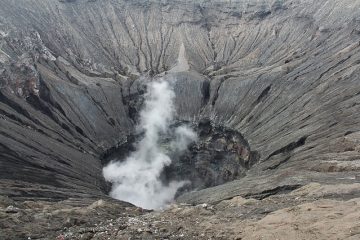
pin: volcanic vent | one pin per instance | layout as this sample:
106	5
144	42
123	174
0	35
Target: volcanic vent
168	157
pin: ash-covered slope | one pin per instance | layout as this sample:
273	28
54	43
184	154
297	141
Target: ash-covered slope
285	74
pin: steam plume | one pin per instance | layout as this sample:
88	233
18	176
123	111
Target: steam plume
137	178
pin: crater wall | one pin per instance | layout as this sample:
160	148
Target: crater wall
285	74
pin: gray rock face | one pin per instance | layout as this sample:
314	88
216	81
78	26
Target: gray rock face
285	74
219	155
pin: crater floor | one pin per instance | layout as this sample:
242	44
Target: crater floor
219	155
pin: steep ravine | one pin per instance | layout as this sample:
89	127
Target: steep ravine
283	74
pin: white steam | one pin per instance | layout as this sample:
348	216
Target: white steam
183	136
137	178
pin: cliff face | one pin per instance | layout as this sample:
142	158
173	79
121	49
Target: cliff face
285	74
